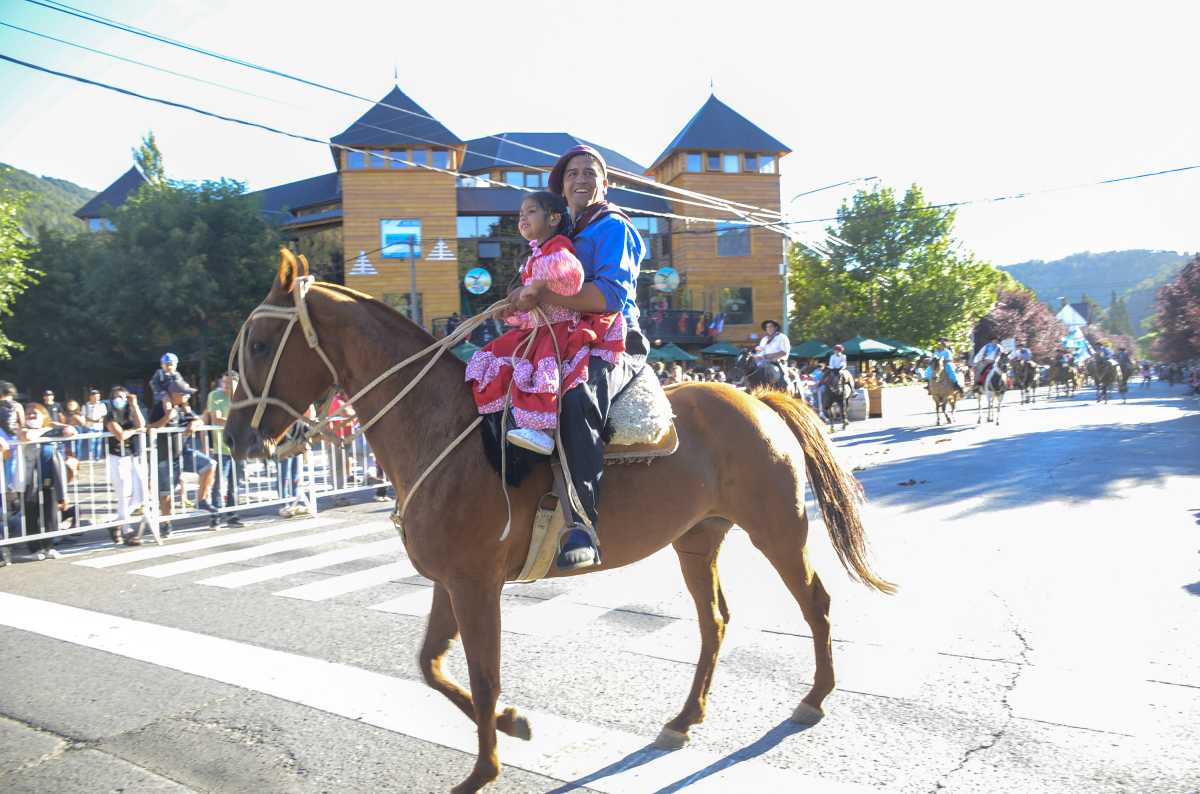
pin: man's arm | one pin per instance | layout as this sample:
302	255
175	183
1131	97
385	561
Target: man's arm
589	299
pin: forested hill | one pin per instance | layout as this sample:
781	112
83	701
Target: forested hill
1133	275
51	202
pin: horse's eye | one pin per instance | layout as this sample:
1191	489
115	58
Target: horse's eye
258	348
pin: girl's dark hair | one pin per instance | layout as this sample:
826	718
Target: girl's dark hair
552	203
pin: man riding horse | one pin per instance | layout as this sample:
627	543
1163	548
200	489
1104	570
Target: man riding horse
611	251
985	359
770	355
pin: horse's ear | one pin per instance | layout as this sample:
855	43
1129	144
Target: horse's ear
304	264
287	270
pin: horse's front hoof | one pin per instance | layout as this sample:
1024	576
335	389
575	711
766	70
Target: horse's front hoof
670	739
514	724
807	715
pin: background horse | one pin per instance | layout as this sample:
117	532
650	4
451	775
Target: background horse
943	392
837	395
1064	377
992	388
742	458
1105	373
746	373
1025	377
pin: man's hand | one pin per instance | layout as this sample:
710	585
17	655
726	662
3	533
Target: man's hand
68	431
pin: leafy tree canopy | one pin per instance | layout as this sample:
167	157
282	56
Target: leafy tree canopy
1178	318
1018	314
897	273
15	276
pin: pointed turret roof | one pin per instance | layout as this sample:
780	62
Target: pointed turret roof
717	126
113	196
396	121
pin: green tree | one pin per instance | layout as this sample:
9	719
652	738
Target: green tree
894	271
149	160
15	276
181	271
1116	319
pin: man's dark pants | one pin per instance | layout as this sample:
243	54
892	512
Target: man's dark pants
584	412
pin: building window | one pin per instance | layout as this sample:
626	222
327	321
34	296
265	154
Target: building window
516	178
693	162
537	179
750	162
648	228
478	225
355	160
400	301
398	158
489	250
766	164
732	166
420	156
400	238
377	158
713	161
100	225
441	158
733	239
737	304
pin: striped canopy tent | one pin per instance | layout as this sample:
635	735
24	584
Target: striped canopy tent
810	349
464	351
670	352
722	349
904	349
864	347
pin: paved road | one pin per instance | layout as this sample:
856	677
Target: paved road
1045	639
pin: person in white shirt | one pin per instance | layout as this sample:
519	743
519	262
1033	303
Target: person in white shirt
837	359
986	356
772	349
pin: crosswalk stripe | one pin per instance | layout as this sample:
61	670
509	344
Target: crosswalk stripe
224	539
193	564
312	562
563	749
350	582
552	616
416	602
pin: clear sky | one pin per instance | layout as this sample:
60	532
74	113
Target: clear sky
966	99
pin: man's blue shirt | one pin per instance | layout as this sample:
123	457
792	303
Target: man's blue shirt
611	252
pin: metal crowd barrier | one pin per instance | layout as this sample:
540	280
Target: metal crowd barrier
48	493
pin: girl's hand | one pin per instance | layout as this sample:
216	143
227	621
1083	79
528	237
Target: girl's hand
530	296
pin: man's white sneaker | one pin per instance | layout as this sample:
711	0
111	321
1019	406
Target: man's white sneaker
532	440
53	554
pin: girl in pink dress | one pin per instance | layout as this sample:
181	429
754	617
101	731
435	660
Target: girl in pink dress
531	366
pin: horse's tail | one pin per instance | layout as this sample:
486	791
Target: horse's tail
838	492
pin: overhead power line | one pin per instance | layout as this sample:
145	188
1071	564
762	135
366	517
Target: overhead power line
89	16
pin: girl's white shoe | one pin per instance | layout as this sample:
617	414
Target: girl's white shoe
532	440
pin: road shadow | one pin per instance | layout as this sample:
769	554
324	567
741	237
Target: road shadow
1077	463
650	753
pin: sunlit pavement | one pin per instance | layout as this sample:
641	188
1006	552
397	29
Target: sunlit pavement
1044	639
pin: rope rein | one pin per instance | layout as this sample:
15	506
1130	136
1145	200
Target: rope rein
297	314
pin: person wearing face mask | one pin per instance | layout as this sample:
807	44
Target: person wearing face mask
124	420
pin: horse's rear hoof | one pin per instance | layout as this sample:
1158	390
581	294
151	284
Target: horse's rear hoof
807	715
670	739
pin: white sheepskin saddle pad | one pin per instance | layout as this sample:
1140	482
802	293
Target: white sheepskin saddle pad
641	413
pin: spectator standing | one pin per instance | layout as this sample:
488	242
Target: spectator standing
41	478
124	421
229	477
54	409
94	413
12	419
341	418
177	451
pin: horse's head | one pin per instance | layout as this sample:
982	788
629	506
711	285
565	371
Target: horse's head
281	365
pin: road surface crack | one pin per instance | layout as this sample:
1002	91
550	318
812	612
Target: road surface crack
994	737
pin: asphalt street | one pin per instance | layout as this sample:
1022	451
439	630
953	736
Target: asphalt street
1046	638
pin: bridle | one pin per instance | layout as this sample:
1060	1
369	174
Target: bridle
297	314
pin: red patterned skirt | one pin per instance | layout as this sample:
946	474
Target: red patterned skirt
537	379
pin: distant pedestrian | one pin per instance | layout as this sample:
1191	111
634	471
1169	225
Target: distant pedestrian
94	414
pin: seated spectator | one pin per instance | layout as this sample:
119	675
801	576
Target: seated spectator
163	375
177	451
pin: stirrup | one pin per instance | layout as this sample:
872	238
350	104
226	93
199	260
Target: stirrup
595	541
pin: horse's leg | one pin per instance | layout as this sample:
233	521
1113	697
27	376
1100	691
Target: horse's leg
477	608
781	538
439	635
697	551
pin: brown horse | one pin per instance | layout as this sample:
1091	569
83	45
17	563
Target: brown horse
742	459
943	392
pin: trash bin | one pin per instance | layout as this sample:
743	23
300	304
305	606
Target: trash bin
857	411
875	402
